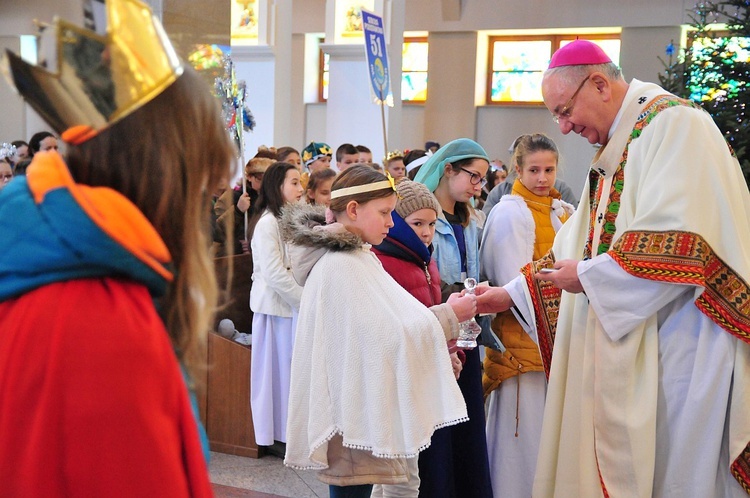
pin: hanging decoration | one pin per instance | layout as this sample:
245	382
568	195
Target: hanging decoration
237	115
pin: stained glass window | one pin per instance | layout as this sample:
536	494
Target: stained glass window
518	63
209	61
517	68
414	70
324	58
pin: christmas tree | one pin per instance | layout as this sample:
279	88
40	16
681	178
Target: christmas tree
714	70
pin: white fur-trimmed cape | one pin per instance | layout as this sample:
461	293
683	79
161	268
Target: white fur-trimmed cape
370	361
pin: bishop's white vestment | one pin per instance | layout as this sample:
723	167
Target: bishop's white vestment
649	391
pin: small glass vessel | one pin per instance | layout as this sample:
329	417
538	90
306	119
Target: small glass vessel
470	329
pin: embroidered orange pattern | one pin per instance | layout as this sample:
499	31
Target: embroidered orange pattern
546	299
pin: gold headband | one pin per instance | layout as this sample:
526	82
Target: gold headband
367	187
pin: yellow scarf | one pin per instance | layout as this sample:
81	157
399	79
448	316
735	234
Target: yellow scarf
524	353
540	208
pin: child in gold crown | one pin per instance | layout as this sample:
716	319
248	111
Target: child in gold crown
107	288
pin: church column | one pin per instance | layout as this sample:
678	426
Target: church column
262	55
450	110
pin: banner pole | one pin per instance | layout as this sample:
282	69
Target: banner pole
382	118
240	109
244	181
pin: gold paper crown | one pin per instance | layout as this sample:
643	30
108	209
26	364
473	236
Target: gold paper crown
99	79
394	154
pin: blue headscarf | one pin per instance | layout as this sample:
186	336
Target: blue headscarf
432	171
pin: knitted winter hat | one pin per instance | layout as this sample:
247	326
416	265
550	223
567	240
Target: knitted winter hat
413	196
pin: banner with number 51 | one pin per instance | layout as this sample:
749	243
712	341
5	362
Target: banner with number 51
377	58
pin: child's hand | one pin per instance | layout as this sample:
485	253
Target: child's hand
243	203
465	307
456	364
492	299
452	348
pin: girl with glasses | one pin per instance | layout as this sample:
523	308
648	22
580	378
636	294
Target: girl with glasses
454	174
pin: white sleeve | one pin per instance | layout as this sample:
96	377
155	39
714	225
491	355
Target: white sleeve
521	305
507	242
620	300
267	251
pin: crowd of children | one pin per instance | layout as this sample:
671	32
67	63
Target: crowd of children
426	233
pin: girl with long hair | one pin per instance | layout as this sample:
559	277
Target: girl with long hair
107	290
520	228
274	300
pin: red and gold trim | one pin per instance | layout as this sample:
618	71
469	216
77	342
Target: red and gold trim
596	181
740	469
686	258
605	493
546	299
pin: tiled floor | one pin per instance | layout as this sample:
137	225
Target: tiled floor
267	476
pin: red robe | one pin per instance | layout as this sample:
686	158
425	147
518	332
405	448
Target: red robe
92	399
413	277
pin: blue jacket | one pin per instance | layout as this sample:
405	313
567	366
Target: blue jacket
446	251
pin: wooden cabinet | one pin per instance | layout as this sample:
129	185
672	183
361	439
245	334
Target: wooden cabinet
229	420
224	400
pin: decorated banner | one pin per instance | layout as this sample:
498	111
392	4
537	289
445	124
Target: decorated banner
377	58
237	116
